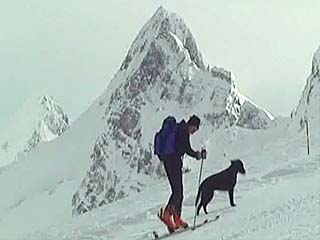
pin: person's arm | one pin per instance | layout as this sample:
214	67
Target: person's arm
189	149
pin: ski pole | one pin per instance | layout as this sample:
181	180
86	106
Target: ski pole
203	156
307	130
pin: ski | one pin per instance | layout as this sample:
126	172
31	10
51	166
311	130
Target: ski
157	236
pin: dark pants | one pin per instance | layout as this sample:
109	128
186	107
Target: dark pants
173	167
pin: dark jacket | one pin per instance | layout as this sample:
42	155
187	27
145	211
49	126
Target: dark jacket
183	141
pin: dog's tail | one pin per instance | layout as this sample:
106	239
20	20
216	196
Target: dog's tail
198	196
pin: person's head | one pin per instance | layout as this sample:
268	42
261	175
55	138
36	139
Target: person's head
193	124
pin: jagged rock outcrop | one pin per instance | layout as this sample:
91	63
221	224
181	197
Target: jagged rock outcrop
253	117
51	124
38	120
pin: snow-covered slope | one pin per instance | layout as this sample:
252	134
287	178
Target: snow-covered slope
38	120
309	104
163	73
278	198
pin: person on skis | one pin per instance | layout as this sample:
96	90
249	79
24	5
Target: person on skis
171	143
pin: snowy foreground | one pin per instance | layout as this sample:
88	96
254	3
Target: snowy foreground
279	198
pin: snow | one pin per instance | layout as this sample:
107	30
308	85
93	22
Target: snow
278	198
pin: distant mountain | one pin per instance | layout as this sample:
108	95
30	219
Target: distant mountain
38	120
162	74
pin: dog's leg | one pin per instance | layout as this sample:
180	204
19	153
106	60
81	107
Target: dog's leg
206	199
199	208
205	209
231	200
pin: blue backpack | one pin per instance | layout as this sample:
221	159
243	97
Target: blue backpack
165	139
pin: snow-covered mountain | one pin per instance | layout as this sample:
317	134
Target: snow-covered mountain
37	190
309	104
162	74
39	120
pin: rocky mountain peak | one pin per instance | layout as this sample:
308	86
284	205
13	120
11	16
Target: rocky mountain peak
53	116
316	63
162	25
163	74
309	104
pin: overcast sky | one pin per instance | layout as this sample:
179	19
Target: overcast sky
71	49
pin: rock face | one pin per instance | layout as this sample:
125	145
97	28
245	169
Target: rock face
163	73
252	117
309	103
51	124
38	120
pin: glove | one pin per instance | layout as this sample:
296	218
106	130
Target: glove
203	153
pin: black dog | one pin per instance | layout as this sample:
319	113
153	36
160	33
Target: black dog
223	181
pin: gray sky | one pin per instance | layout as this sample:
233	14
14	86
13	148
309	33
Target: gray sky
71	49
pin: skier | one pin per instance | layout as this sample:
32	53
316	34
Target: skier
170	148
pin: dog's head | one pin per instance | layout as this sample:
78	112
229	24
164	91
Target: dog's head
238	165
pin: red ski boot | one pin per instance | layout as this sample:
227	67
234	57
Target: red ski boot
178	221
166	218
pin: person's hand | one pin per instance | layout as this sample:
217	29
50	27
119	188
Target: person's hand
203	153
